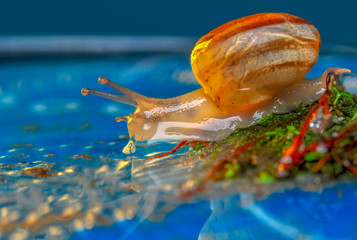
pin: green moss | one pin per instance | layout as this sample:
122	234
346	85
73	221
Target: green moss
266	177
312	156
275	133
232	170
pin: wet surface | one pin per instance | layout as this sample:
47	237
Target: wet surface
62	170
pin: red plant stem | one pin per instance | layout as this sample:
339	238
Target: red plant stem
205	143
351	146
219	165
193	143
181	144
321	163
341	134
350	167
323	102
330	142
178	146
293	154
295	151
234	151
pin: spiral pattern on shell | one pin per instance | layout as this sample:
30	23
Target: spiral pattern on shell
255	56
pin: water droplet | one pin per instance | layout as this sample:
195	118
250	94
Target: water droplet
286	160
129	148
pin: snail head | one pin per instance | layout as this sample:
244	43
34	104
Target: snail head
139	125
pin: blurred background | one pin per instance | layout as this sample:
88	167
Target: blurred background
336	21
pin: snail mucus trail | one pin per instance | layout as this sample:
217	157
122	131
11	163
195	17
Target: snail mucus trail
248	68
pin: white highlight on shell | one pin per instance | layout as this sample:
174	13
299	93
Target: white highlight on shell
279	57
266	34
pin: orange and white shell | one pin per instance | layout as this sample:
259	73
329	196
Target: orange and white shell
255	56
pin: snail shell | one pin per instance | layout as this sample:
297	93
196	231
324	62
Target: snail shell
254	56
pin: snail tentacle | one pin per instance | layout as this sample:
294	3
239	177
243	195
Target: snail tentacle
123	118
119	98
136	97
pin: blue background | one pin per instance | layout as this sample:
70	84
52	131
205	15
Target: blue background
336	20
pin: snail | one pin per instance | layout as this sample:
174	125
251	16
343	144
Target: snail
248	68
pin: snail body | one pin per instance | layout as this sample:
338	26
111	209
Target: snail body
248	68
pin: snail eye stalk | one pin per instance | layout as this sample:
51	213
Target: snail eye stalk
134	96
119	98
120	119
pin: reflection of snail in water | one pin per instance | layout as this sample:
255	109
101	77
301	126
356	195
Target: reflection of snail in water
248	68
